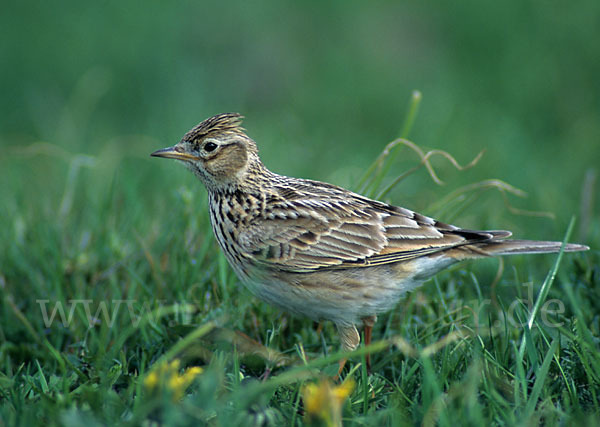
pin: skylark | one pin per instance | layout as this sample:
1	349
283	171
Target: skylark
318	250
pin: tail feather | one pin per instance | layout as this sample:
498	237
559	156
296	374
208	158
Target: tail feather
509	247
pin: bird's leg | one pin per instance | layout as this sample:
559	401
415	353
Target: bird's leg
368	323
319	328
350	339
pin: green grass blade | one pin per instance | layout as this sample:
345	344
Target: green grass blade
546	285
540	378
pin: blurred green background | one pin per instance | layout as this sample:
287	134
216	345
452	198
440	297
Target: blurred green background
323	85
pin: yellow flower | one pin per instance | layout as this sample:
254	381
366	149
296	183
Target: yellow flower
151	380
325	401
167	377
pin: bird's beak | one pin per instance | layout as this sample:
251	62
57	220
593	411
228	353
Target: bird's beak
172	153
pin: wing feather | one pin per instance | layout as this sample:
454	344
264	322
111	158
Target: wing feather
316	231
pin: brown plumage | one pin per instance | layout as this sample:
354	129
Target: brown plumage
316	249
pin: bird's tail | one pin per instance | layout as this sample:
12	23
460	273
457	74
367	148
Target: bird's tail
510	247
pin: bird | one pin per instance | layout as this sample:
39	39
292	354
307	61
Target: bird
318	250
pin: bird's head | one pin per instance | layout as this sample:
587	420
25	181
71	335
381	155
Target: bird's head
217	150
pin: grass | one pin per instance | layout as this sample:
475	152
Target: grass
102	284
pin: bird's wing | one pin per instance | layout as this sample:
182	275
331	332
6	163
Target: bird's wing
307	234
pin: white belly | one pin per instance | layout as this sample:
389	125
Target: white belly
344	296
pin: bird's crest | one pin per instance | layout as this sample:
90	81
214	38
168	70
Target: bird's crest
221	123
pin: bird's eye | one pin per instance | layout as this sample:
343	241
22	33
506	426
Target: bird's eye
210	146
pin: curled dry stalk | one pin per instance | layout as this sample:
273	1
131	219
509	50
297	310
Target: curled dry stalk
425	162
378	170
456	201
468	194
